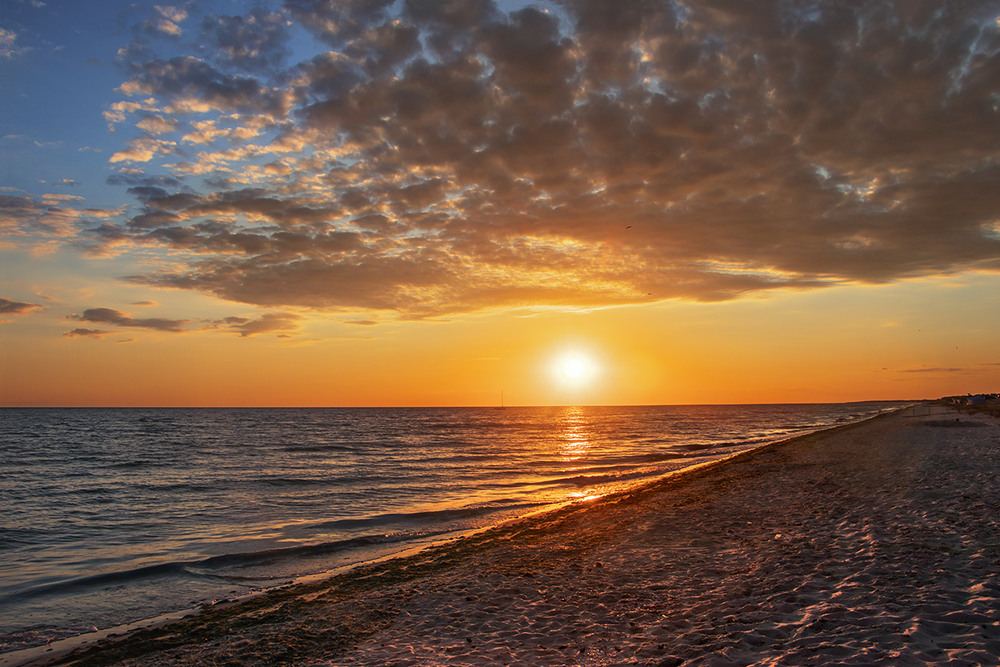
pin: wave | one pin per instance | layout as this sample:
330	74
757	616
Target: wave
584	480
213	567
138	463
319	448
660	457
424	517
209	567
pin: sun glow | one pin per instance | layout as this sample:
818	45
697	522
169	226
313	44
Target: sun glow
574	369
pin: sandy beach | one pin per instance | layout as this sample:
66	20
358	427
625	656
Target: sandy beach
869	543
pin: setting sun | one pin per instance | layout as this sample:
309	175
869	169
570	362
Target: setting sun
574	369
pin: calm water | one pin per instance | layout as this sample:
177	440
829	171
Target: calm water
113	515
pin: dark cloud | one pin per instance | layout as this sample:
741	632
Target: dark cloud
255	42
14	210
266	323
118	318
87	333
10	307
187	82
44	220
448	156
934	370
336	21
282	323
143	180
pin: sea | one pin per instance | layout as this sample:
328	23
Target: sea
109	516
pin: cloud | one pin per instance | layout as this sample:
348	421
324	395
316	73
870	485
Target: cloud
8	45
139	179
166	20
143	149
193	85
87	333
441	157
257	41
42	222
57	199
266	323
116	113
118	318
11	307
934	371
280	322
156	124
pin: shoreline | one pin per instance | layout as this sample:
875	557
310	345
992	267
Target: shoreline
53	651
370	595
157	617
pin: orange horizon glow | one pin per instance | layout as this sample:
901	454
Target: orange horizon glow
868	345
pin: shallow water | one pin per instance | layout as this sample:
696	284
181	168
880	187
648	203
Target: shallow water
111	515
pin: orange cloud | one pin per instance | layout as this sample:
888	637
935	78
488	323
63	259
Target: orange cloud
11	307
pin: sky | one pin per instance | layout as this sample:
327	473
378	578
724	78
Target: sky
430	202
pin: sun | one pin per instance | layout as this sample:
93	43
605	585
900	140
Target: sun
574	369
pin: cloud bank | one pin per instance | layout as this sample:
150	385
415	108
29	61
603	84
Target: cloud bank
434	157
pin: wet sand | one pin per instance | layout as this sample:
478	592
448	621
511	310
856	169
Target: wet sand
870	543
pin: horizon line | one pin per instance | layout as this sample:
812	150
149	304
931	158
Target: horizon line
437	407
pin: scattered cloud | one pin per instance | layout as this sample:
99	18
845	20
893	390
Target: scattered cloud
280	323
255	42
435	158
118	318
166	20
11	307
9	48
49	222
56	199
87	333
143	149
156	124
933	370
266	323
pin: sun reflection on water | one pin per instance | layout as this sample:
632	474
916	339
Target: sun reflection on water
575	441
575	444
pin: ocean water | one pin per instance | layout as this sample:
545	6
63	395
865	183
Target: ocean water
115	515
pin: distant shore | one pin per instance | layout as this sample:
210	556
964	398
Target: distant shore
872	542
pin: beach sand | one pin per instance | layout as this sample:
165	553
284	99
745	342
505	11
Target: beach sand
876	542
